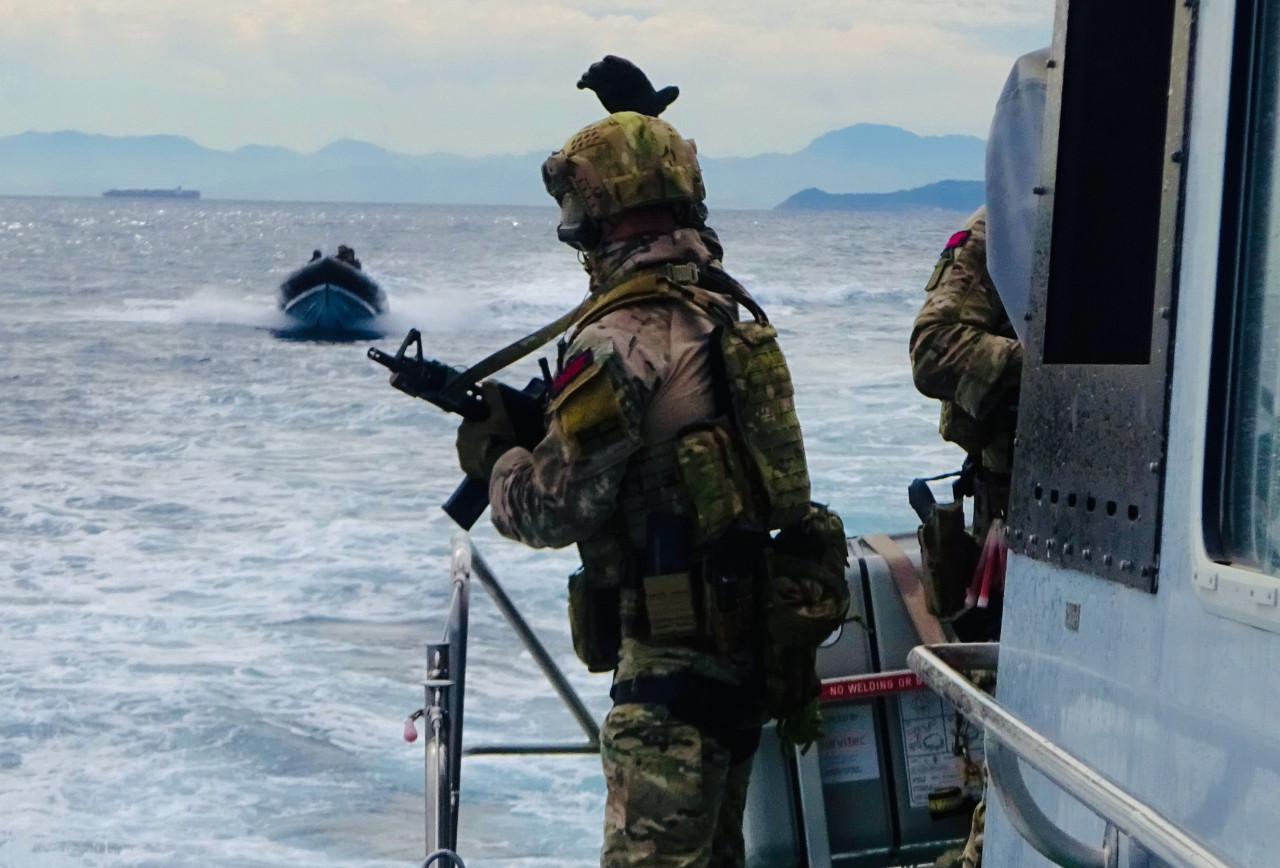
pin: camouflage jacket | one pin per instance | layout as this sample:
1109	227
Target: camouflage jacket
646	372
964	351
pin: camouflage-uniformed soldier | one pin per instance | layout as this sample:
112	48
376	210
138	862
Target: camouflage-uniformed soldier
965	353
643	467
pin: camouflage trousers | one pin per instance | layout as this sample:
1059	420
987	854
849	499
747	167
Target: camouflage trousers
675	796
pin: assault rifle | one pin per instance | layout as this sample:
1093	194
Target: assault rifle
431	380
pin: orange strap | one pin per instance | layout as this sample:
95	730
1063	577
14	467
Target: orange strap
909	588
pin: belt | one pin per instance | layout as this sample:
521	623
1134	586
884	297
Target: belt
712	707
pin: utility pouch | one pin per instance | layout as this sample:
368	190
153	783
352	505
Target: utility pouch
596	607
762	398
713	479
593	621
949	555
669	604
808	594
806	600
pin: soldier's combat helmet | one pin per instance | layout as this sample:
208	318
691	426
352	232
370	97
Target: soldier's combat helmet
628	160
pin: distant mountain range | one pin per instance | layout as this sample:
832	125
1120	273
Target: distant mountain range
865	158
944	195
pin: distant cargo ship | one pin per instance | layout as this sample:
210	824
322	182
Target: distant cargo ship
175	193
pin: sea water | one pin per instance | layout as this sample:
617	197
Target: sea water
221	552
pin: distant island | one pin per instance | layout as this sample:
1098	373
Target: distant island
867	158
175	193
944	196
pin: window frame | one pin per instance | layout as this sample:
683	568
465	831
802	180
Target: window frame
1233	590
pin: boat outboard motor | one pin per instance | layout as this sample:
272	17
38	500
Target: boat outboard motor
1014	170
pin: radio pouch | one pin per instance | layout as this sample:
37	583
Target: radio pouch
949	555
806	600
598	602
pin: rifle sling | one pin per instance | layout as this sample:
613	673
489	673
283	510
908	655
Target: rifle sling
495	362
681	283
687	283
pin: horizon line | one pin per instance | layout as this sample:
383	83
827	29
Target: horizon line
549	206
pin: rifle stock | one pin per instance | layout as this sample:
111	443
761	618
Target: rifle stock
429	380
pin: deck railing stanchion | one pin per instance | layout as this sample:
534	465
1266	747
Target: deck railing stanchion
445	690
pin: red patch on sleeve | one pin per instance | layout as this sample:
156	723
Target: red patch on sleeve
578	363
959	238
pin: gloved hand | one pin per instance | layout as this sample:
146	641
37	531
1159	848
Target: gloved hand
623	87
481	444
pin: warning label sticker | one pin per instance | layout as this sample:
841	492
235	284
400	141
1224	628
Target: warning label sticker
867	686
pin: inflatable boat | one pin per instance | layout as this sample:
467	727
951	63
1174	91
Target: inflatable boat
329	297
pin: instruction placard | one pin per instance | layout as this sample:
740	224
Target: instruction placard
928	739
847	751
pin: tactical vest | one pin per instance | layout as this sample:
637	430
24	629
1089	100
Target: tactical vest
710	496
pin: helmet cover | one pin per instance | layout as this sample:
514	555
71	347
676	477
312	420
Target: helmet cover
628	160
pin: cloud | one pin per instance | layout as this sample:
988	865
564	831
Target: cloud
495	76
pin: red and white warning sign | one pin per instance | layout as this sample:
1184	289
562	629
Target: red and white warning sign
870	685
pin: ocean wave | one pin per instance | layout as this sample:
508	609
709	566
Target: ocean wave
224	552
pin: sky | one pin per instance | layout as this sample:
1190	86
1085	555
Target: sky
480	77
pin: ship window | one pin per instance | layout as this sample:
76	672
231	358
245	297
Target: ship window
1109	187
1243	495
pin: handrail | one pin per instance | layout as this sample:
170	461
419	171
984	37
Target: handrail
445	690
1031	823
590	749
540	656
938	666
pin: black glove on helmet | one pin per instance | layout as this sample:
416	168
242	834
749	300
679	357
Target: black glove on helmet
623	87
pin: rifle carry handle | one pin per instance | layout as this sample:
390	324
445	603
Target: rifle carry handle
427	379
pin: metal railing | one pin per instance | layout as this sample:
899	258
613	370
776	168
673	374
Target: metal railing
1008	739
463	548
445	689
